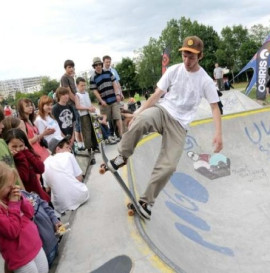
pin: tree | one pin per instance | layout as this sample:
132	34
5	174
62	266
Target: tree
127	72
170	37
258	33
8	101
49	85
34	97
149	64
236	48
149	59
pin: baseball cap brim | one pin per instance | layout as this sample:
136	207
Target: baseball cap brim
94	64
56	141
189	49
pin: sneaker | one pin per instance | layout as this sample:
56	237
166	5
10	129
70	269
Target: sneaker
111	140
117	163
116	138
93	161
145	209
96	150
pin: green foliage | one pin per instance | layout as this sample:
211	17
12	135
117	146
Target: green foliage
149	64
258	33
149	57
232	40
8	101
170	37
233	48
127	70
34	97
48	85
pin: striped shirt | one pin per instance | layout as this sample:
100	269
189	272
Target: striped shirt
103	83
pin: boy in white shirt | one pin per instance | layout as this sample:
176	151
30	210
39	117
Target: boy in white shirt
63	176
84	106
183	86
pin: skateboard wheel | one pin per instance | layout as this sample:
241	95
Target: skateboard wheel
131	212
102	170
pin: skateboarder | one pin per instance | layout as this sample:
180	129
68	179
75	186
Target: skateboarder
183	85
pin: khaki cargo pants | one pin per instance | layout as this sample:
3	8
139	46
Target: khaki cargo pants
156	119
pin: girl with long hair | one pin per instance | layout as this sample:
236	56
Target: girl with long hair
27	162
26	114
45	120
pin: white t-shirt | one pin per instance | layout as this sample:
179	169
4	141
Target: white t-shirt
184	91
85	101
60	175
49	122
218	73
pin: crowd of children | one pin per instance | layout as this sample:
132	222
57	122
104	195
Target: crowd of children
38	182
40	178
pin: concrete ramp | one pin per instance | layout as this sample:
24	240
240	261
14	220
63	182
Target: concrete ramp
234	101
214	214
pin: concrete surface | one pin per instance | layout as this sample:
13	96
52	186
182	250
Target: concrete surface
199	223
214	225
233	101
212	217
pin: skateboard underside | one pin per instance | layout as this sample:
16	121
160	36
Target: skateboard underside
132	205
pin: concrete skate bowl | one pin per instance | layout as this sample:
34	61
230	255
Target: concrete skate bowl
214	214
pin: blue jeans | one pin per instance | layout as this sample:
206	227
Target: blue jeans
77	122
105	131
52	255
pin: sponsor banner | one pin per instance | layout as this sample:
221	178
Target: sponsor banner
259	64
165	60
262	70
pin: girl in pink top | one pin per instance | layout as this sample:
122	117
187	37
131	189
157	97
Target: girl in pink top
21	246
26	114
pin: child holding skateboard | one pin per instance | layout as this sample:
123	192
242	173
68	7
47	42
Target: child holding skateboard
182	85
84	106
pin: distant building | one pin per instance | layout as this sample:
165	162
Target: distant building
25	85
85	74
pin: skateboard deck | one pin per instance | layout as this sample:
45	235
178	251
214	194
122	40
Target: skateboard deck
133	205
96	127
119	264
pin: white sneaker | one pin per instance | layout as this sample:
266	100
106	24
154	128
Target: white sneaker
117	163
116	138
111	140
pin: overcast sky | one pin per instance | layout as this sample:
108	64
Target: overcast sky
37	36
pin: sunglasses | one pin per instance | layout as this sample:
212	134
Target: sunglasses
98	65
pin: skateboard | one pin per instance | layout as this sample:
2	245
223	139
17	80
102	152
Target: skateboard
119	264
132	205
96	127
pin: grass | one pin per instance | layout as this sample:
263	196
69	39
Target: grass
252	95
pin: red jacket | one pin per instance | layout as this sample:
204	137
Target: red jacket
19	237
28	166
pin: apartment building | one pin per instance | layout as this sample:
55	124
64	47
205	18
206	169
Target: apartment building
25	85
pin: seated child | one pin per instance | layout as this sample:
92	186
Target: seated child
106	133
63	176
5	154
28	163
47	223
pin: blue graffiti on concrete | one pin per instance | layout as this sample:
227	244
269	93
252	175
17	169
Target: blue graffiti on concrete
197	238
184	206
257	137
190	143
